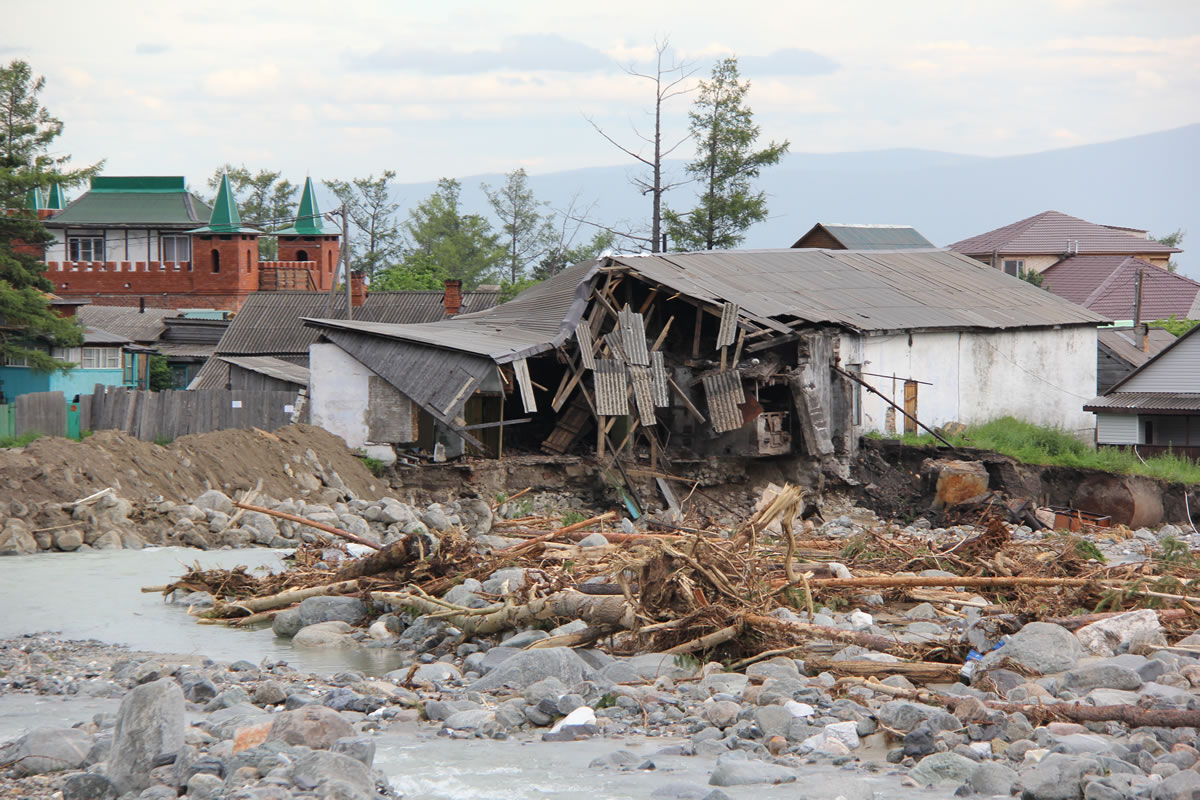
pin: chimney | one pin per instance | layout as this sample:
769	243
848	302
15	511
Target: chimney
358	289
453	298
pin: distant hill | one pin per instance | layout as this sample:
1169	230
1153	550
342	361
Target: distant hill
1141	182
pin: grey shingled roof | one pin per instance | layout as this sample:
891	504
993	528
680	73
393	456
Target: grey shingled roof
271	367
127	320
1049	232
870	291
870	237
1123	343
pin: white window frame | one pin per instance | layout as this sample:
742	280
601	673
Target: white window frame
1018	266
95	247
100	358
173	242
67	354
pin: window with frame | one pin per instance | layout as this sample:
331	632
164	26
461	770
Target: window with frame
101	358
68	354
176	248
1014	266
85	248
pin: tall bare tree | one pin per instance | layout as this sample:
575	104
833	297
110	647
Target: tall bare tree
669	77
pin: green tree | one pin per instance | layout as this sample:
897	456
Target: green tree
441	239
1173	239
564	255
1175	327
28	326
373	215
161	377
725	164
418	271
1033	276
264	201
526	232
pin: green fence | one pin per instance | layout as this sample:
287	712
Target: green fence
8	420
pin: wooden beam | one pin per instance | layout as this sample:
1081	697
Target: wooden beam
737	351
696	334
683	398
501	423
663	334
649	300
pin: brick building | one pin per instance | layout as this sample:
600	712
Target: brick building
130	240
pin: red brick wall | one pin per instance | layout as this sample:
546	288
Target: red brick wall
320	249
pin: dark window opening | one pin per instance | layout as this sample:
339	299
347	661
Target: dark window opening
216	260
302	255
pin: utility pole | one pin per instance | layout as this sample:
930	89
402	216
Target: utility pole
1139	330
346	260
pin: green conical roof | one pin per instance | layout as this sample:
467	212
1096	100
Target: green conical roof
33	199
225	217
308	218
57	202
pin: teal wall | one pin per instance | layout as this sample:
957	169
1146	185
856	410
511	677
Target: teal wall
16	381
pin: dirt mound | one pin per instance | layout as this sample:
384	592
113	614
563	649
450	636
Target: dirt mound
289	461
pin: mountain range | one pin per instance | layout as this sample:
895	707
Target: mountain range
1145	181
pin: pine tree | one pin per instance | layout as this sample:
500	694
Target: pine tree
264	201
372	213
725	164
28	325
525	231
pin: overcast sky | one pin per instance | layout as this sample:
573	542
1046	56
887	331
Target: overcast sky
450	88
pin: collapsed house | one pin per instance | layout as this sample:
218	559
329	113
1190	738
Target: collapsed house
729	353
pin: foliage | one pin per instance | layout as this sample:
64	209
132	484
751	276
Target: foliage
563	255
1176	327
264	201
444	240
1034	277
163	441
726	161
573	517
527	233
161	377
27	131
376	466
510	290
417	272
1035	444
1173	239
373	215
7	442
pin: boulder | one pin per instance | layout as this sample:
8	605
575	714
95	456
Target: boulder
953	481
943	769
314	610
68	539
333	775
87	786
213	500
904	716
1038	647
149	724
16	541
314	726
47	750
1058	777
1183	785
742	772
1101	676
527	667
324	634
992	778
287	623
1113	635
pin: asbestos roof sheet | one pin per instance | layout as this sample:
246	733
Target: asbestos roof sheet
539	319
1146	402
127	320
870	291
97	336
272	323
271	367
1106	284
1123	343
870	237
1049	232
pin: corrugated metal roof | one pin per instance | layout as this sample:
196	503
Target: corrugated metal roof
643	393
1049	232
539	319
272	323
881	290
870	237
1123	343
98	336
184	349
271	367
1145	402
1105	284
725	394
611	390
127	320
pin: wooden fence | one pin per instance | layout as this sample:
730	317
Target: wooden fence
171	414
41	412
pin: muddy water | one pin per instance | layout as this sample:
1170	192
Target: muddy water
98	596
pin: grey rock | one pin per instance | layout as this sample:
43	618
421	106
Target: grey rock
360	748
315	610
653	666
269	693
1039	647
991	777
1184	785
88	786
314	726
529	666
287	623
48	750
333	775
503	581
1101	676
16	541
437	672
722	713
902	715
521	640
943	769
739	772
1058	777
68	540
435	518
324	634
233	696
469	720
213	500
594	540
224	723
773	720
149	722
203	786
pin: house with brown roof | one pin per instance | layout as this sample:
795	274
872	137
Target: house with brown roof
1036	243
1121	350
840	236
1108	285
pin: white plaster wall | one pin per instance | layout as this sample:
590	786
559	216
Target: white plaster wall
56	250
337	385
1043	376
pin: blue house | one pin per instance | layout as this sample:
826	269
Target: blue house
101	359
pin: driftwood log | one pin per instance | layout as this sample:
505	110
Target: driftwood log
350	537
1131	715
604	611
399	553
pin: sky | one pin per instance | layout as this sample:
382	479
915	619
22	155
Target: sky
342	90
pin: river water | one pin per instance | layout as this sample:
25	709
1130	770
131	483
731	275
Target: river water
97	596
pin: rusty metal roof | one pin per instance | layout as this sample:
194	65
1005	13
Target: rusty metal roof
1049	232
1145	403
878	290
539	319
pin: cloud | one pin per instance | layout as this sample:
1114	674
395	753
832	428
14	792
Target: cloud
151	48
233	82
788	61
6	49
545	52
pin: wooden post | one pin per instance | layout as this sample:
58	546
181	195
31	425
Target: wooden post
696	333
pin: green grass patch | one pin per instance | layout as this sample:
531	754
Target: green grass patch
1035	444
19	441
376	466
